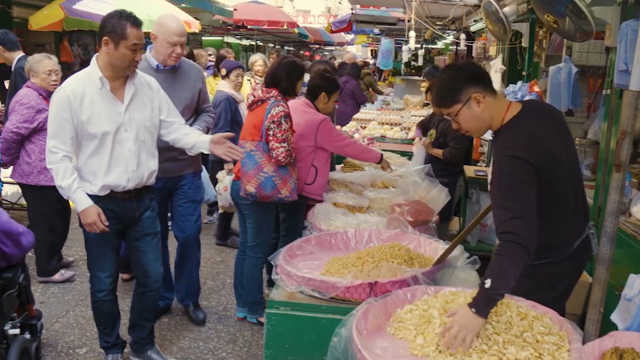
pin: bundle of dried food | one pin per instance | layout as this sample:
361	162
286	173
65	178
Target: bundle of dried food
617	353
379	262
513	330
350	166
344	200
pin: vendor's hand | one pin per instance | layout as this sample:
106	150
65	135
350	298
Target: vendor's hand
462	329
428	145
221	147
228	167
385	165
93	220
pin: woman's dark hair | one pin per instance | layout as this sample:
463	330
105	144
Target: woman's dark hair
431	73
342	68
276	52
115	24
221	56
354	70
456	81
189	54
322	82
284	75
322	65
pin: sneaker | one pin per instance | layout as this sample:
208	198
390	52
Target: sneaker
210	219
62	276
152	354
113	357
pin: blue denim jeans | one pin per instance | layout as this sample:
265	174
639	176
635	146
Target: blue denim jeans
256	220
136	221
184	194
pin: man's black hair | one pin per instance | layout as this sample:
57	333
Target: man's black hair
9	41
322	82
284	75
115	24
456	81
322	65
354	70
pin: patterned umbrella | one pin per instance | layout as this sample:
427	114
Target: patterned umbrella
256	13
86	14
319	35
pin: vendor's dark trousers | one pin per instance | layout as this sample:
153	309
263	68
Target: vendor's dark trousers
136	221
550	284
288	228
49	216
185	195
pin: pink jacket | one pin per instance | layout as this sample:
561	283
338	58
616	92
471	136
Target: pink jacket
314	140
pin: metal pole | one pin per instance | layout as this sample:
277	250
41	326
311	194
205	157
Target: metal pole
623	147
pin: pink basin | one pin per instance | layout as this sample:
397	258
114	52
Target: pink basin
623	339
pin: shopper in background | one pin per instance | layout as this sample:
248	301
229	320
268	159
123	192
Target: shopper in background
202	60
349	57
212	82
211	60
257	219
351	97
178	187
23	146
11	54
539	205
274	55
314	141
231	110
368	82
258	64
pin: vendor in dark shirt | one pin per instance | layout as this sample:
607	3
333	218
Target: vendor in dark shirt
539	203
446	149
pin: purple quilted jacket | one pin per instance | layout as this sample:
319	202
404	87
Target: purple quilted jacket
15	240
24	138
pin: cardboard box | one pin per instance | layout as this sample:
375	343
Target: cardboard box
577	303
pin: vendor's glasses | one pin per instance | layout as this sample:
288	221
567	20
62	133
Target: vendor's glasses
453	118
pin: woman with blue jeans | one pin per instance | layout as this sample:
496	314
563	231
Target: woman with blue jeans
267	108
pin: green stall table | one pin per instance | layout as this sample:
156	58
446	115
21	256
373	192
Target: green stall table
300	327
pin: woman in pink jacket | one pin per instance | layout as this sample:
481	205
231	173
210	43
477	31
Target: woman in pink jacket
314	140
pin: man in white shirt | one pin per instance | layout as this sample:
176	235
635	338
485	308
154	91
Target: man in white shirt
104	124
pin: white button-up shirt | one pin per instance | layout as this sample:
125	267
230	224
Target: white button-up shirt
97	144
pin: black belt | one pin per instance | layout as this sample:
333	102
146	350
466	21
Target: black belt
128	194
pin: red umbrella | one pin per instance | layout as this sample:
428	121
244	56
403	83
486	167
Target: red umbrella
259	14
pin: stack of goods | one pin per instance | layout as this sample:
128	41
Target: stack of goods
513	330
363	196
413	102
390	124
379	262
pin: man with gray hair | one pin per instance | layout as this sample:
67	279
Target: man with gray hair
179	182
349	58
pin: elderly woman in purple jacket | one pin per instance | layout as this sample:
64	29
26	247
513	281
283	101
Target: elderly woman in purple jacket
23	146
351	96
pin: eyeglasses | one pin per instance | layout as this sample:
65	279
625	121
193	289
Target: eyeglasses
52	74
453	118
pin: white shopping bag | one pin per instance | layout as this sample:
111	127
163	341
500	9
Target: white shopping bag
629	303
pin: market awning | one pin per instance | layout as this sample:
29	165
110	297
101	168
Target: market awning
202	9
320	35
259	14
86	14
339	39
347	23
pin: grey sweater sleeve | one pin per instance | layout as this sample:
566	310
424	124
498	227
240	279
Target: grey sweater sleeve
206	116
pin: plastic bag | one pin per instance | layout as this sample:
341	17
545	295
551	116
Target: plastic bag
486	230
356	182
420	196
628	308
595	131
345	200
380	200
623	339
223	189
419	155
209	192
298	266
363	334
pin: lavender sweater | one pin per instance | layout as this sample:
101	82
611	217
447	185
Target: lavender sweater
24	138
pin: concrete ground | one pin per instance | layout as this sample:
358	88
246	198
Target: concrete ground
70	332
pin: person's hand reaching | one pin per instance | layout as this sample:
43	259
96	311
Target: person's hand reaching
221	147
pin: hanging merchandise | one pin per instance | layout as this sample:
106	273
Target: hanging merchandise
626	315
480	48
412	40
497	69
385	54
364	51
627	39
563	90
405	53
420	57
463	42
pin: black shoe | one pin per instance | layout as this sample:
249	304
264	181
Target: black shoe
232	242
234	232
162	311
196	315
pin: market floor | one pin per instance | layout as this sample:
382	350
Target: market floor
70	333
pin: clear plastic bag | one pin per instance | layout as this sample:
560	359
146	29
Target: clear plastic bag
223	189
419	154
363	334
420	196
299	265
353	203
380	200
486	230
356	182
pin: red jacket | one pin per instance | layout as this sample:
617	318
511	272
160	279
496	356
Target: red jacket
314	140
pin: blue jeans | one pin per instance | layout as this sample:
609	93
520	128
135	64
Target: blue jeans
136	221
256	220
184	194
